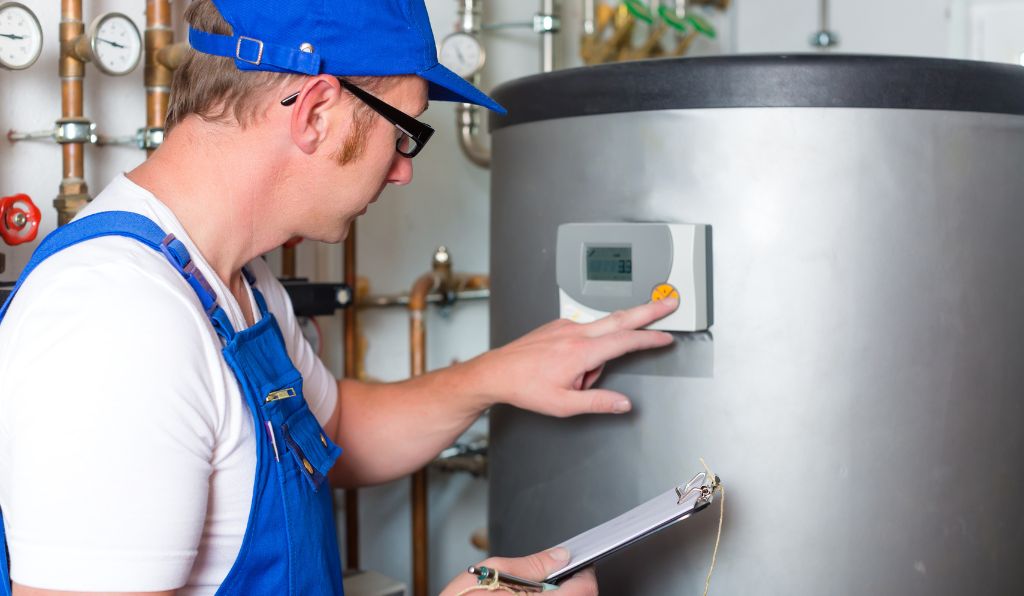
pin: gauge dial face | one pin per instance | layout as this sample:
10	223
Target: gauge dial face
463	54
21	37
116	44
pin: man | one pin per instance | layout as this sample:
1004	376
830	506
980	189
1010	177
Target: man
164	428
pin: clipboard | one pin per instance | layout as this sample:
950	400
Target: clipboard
666	509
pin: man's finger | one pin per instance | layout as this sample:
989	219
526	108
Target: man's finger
608	347
591	377
594	401
633	318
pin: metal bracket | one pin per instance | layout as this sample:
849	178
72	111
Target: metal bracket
75	130
149	138
65	131
546	23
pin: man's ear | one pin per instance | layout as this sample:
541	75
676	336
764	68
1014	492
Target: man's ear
311	122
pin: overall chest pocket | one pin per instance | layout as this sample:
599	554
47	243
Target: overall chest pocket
311	449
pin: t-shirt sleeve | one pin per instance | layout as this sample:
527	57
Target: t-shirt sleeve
318	383
113	426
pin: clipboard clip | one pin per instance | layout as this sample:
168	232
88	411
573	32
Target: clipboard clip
698	487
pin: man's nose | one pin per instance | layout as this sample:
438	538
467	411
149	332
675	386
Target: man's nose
401	171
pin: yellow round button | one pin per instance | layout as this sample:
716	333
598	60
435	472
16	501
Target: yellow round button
663	291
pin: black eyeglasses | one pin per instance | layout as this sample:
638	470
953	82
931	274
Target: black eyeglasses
415	134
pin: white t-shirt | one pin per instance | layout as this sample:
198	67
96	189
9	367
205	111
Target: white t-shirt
127	451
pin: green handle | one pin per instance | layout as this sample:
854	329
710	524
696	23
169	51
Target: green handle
701	24
639	10
697	22
673	21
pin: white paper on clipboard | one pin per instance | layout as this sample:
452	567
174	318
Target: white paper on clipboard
660	512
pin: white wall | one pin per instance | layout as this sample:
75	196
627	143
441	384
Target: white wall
447	203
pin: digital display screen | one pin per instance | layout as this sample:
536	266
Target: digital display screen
610	263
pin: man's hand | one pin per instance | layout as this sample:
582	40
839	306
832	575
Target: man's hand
551	370
535	567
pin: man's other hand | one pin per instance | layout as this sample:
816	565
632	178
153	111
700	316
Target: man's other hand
552	370
535	567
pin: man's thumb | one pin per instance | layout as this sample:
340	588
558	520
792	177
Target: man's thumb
537	566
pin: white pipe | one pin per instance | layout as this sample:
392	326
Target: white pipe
589	17
547	38
467	118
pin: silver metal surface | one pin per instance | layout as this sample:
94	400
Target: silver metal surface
824	38
547	23
64	131
860	391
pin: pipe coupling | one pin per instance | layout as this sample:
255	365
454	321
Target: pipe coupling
68	206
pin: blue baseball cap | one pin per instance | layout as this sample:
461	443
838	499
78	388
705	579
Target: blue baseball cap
337	37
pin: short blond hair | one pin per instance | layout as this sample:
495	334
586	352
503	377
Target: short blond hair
214	89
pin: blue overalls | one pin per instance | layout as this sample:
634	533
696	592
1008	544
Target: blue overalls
290	544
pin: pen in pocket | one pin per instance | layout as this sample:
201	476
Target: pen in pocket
273	440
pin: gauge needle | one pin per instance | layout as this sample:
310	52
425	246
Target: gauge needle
113	43
12	36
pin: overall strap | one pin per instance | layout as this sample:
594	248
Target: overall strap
141	228
261	302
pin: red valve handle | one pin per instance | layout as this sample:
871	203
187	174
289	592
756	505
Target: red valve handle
19	219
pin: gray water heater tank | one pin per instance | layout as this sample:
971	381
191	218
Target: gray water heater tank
861	389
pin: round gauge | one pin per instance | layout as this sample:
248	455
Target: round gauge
116	43
463	54
21	37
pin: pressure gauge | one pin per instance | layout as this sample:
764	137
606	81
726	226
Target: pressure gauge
463	54
21	37
115	43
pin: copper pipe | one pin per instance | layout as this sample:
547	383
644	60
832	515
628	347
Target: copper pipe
157	76
351	372
173	55
288	266
418	362
438	280
74	193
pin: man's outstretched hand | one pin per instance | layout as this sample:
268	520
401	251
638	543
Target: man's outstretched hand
552	369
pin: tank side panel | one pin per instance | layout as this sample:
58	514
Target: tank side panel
859	392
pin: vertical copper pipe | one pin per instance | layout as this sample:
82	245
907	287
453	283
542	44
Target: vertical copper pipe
418	490
74	193
159	35
351	495
288	259
440	279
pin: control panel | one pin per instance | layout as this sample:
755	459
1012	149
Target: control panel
604	267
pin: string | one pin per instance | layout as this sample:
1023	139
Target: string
715	485
493	586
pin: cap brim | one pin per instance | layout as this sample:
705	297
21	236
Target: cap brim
445	85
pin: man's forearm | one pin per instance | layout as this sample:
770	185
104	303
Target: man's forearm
388	430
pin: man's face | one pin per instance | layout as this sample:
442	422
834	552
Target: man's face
349	183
